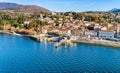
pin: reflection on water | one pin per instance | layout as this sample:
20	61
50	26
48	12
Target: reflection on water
22	55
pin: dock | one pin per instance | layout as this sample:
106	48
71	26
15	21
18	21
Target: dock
64	42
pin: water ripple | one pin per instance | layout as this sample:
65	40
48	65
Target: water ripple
22	55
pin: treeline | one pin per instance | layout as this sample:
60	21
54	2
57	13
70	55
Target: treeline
18	19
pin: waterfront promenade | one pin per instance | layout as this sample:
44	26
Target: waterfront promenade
92	42
99	42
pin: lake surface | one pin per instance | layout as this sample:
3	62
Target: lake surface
23	55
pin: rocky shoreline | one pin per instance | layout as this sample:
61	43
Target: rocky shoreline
13	33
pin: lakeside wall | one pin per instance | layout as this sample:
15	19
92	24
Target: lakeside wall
93	42
99	42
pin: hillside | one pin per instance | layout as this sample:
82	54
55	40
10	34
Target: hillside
22	8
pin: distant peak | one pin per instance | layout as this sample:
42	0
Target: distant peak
22	8
115	10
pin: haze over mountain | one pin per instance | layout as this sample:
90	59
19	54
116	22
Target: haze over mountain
22	8
115	10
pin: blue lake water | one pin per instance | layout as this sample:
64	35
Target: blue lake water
23	55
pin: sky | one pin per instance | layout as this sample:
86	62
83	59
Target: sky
71	5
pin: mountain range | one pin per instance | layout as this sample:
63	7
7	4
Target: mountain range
115	10
32	8
22	8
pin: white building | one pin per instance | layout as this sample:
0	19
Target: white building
65	32
26	22
92	33
106	34
60	25
87	24
53	13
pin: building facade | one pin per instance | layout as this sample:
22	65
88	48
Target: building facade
106	34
